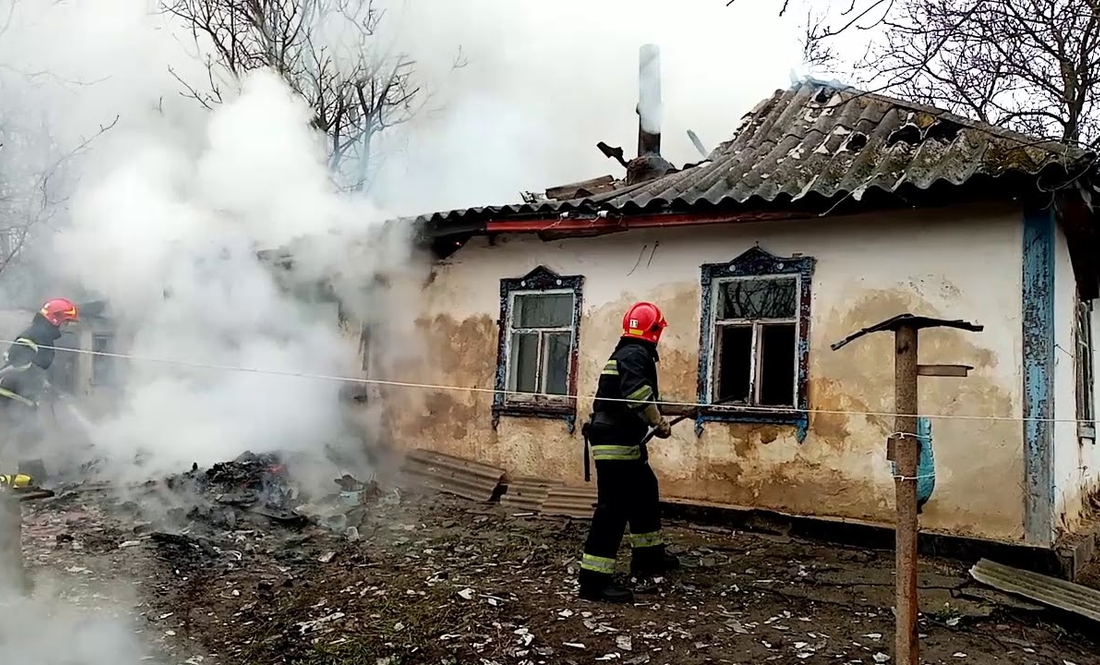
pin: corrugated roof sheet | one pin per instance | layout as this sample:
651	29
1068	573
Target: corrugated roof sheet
455	475
575	502
1054	592
817	139
528	493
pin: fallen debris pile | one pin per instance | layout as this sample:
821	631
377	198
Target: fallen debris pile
241	506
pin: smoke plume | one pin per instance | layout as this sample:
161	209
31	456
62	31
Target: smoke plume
170	236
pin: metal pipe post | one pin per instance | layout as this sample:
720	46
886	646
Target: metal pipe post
907	452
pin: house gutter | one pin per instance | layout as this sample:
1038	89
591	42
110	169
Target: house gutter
570	224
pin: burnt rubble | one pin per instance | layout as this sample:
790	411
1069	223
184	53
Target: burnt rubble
233	509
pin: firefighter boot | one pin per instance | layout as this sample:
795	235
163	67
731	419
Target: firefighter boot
601	588
650	561
16	480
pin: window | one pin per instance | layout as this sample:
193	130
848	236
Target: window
1085	367
537	355
540	332
62	373
103	367
754	339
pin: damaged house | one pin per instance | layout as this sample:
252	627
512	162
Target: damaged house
829	211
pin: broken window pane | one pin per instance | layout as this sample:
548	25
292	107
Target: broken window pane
777	364
556	347
757	298
524	362
732	384
543	310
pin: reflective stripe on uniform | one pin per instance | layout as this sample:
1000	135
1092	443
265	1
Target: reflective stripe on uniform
4	392
651	539
611	368
600	453
26	341
23	341
640	397
598	564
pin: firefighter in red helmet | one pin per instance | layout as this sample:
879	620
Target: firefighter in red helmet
23	381
624	411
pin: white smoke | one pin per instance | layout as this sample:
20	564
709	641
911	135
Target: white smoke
170	238
49	632
545	81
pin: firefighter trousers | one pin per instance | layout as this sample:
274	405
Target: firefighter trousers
627	493
21	434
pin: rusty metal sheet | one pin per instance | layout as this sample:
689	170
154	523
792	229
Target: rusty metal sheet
455	475
911	321
1050	591
528	493
575	502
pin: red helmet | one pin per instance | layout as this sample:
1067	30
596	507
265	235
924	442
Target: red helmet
644	321
59	310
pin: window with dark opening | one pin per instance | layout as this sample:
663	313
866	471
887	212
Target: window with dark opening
756	333
540	342
1083	361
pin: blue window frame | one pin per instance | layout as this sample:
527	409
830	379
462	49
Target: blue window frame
754	340
537	348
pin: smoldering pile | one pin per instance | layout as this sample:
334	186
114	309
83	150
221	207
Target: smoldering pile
249	492
231	510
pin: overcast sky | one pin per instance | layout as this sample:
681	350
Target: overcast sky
545	81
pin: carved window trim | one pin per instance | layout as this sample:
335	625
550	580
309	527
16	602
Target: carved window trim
755	262
539	280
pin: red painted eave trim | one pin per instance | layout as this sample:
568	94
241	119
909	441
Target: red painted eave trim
592	225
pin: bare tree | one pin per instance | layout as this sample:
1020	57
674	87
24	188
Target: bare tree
326	52
33	192
1032	65
825	21
36	169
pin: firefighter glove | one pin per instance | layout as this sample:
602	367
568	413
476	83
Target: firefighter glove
663	430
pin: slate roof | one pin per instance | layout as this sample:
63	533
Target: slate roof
816	139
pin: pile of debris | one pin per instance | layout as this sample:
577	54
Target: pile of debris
251	504
230	494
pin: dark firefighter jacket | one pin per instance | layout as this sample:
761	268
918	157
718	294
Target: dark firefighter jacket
625	405
30	361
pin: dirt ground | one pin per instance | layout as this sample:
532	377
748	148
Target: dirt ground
437	579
